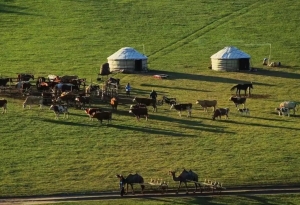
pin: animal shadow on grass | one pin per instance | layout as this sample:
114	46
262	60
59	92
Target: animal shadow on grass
155	131
9	9
174	87
205	78
280	74
64	122
193	200
259	125
259	96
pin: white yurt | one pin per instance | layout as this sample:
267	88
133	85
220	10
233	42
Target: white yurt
230	59
128	59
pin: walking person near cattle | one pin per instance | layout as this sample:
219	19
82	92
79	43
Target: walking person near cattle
128	89
153	95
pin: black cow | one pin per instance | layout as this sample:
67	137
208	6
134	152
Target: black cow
114	81
238	101
3	104
138	112
220	112
183	107
138	106
66	87
23	86
4	81
104	115
146	101
25	77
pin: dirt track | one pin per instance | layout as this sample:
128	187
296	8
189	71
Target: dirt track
234	191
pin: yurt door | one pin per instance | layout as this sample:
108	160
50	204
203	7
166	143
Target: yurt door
244	64
138	65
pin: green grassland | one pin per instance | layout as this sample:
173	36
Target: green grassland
40	155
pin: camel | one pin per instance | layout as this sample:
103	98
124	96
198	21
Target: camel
184	177
130	179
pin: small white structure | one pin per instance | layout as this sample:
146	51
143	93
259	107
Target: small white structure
128	59
230	59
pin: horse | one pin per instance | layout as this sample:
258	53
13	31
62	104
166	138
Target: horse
244	87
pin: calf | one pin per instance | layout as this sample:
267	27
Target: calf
104	115
114	103
207	103
138	112
283	111
220	112
91	111
238	101
60	109
146	101
245	111
289	104
83	100
30	100
3	104
182	107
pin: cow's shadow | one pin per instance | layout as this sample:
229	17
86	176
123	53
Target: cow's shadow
63	121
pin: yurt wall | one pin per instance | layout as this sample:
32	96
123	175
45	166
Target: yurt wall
225	64
127	64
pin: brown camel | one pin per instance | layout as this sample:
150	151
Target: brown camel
184	177
130	179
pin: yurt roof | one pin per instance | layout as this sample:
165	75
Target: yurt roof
127	53
230	52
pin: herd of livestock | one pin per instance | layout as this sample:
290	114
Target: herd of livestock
62	92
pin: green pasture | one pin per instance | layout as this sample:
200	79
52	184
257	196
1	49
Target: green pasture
41	155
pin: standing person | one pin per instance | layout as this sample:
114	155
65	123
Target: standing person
153	95
127	89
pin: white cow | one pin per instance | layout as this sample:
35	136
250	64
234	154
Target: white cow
31	100
60	109
289	104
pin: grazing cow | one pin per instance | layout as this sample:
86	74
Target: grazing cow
91	111
220	112
25	77
30	100
60	109
4	81
169	101
238	101
104	115
183	107
245	111
290	105
138	112
67	78
114	103
146	101
83	100
283	111
207	103
3	104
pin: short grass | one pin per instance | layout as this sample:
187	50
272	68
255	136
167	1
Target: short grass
40	155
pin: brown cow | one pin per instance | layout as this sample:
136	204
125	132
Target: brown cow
3	104
207	103
114	103
91	111
220	112
104	115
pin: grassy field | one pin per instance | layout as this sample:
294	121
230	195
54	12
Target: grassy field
40	155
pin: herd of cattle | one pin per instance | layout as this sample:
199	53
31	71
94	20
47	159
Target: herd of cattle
62	96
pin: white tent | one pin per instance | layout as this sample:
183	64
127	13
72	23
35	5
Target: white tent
127	58
230	59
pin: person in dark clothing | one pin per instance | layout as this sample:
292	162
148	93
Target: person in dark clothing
153	95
